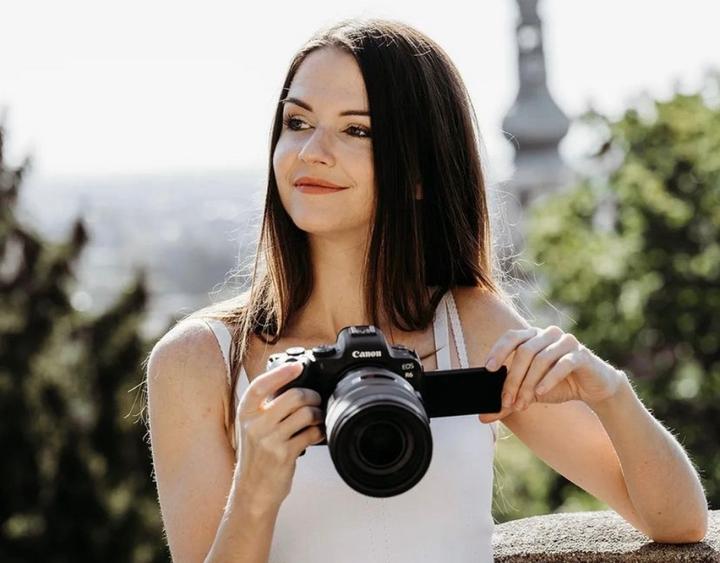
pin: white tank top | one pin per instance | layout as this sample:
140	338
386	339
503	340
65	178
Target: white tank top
446	517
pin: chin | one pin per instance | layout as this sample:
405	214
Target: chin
316	224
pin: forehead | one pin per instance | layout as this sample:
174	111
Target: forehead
330	76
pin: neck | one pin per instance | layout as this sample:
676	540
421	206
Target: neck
338	298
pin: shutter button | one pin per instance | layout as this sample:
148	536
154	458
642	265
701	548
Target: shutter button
295	351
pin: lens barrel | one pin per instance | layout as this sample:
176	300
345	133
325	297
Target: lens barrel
378	432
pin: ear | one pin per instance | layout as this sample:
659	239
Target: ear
418	191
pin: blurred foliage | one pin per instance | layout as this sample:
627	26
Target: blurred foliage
644	292
525	486
76	476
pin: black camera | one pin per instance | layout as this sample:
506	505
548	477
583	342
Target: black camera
377	401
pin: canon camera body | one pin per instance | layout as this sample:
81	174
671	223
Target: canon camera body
378	401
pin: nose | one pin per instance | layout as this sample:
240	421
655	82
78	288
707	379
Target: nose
315	149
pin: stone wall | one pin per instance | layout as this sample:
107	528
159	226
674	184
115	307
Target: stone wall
594	536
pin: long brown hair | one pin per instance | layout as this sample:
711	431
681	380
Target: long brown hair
424	131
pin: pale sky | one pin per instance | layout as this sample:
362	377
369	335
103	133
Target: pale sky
165	87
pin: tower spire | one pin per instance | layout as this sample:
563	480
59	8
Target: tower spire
535	121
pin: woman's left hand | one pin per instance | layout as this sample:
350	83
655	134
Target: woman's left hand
549	366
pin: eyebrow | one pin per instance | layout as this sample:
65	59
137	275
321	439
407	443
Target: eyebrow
306	106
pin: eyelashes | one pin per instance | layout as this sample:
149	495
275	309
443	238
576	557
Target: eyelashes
289	121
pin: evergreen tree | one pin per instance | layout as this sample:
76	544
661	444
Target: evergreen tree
76	473
645	293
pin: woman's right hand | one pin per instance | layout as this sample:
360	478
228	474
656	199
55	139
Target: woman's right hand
268	428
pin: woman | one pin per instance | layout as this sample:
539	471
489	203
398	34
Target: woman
377	110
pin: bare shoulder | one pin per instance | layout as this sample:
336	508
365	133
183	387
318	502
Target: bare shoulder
187	404
187	359
189	341
485	317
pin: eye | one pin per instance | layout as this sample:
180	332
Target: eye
294	124
290	122
365	133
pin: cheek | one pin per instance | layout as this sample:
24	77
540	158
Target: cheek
370	180
282	159
284	162
360	166
359	160
367	158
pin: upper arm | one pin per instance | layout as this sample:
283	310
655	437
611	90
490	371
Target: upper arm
192	457
568	436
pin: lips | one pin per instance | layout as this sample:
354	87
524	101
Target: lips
317	182
311	189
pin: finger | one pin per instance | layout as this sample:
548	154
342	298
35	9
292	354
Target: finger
299	420
488	417
289	401
506	344
540	365
268	383
522	358
308	437
562	368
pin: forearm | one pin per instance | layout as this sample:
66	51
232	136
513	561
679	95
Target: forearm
661	481
246	529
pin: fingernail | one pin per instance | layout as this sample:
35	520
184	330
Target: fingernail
506	399
491	365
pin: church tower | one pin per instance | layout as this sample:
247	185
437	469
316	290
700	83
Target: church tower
534	125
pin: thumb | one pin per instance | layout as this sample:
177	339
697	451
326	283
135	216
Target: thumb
488	417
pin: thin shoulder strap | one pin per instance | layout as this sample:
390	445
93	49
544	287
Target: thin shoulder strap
457	330
222	335
460	346
442	337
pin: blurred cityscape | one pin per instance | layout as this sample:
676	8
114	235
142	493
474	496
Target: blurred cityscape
190	230
187	230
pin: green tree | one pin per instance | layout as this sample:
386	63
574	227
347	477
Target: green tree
645	293
75	480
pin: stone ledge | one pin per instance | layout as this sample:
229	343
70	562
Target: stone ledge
592	537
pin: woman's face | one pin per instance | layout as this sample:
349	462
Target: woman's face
321	140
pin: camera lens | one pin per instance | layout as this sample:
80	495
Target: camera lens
378	432
380	444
